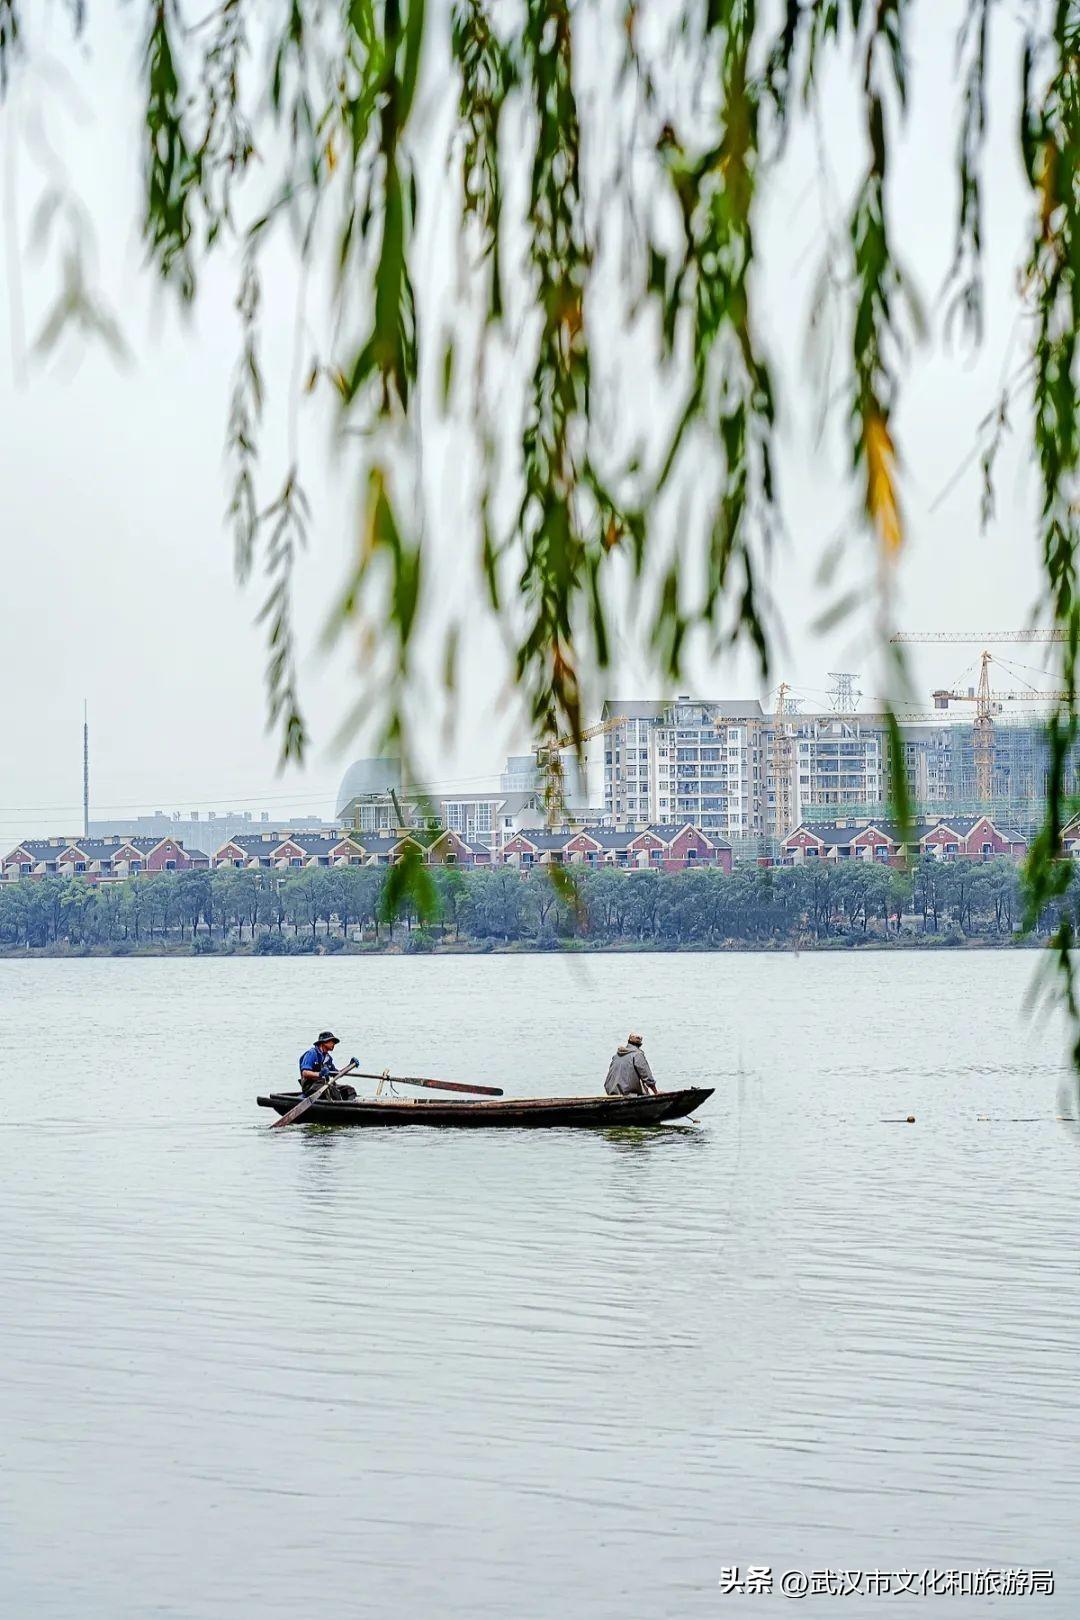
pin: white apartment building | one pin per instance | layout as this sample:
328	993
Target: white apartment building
712	762
840	760
686	761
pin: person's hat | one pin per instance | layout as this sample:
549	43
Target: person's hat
634	1040
327	1036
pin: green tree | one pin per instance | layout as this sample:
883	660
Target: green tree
680	125
451	886
643	903
898	897
304	899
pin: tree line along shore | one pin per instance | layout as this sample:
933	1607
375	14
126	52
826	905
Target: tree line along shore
827	904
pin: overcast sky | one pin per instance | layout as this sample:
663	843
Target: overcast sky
118	576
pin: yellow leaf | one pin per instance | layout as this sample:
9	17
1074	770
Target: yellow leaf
881	498
331	155
1048	189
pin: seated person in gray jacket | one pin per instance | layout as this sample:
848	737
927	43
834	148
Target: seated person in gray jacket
628	1073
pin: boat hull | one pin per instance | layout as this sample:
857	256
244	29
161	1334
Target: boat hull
526	1113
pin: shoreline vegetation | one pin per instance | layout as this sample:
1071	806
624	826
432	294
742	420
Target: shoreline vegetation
819	905
873	944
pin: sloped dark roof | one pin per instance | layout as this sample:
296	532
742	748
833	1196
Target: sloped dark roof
962	826
264	843
609	837
512	804
40	848
383	843
667	830
542	839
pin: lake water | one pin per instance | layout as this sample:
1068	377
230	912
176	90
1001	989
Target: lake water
251	1374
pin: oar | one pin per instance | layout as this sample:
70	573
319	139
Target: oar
312	1097
436	1085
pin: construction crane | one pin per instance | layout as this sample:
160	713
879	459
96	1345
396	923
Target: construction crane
985	638
984	719
986	704
549	764
783	761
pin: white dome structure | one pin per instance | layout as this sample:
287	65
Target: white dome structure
369	777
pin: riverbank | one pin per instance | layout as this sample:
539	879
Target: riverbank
414	946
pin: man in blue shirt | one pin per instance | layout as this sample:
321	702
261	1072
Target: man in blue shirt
317	1067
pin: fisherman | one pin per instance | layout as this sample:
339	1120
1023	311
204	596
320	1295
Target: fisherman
628	1073
317	1067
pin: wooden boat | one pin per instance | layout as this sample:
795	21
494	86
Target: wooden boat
525	1111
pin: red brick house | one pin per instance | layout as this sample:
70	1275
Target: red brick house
539	848
280	851
450	849
1070	837
661	848
100	859
686	845
972	838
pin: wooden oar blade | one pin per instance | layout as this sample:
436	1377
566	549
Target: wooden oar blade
301	1108
447	1085
435	1085
305	1102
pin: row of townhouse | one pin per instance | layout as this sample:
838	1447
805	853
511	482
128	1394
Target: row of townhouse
285	851
99	859
666	848
971	838
663	848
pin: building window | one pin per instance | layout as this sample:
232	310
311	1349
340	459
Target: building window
170	866
296	860
691	854
881	851
987	851
80	866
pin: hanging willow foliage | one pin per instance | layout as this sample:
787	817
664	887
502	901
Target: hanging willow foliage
693	117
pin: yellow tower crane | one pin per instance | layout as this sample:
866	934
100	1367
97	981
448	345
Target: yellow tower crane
986	702
549	763
783	765
982	638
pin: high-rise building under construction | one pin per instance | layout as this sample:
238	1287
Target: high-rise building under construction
752	775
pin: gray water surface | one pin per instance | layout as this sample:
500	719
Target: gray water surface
254	1373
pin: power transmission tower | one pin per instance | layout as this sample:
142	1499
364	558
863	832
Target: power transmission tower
845	695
